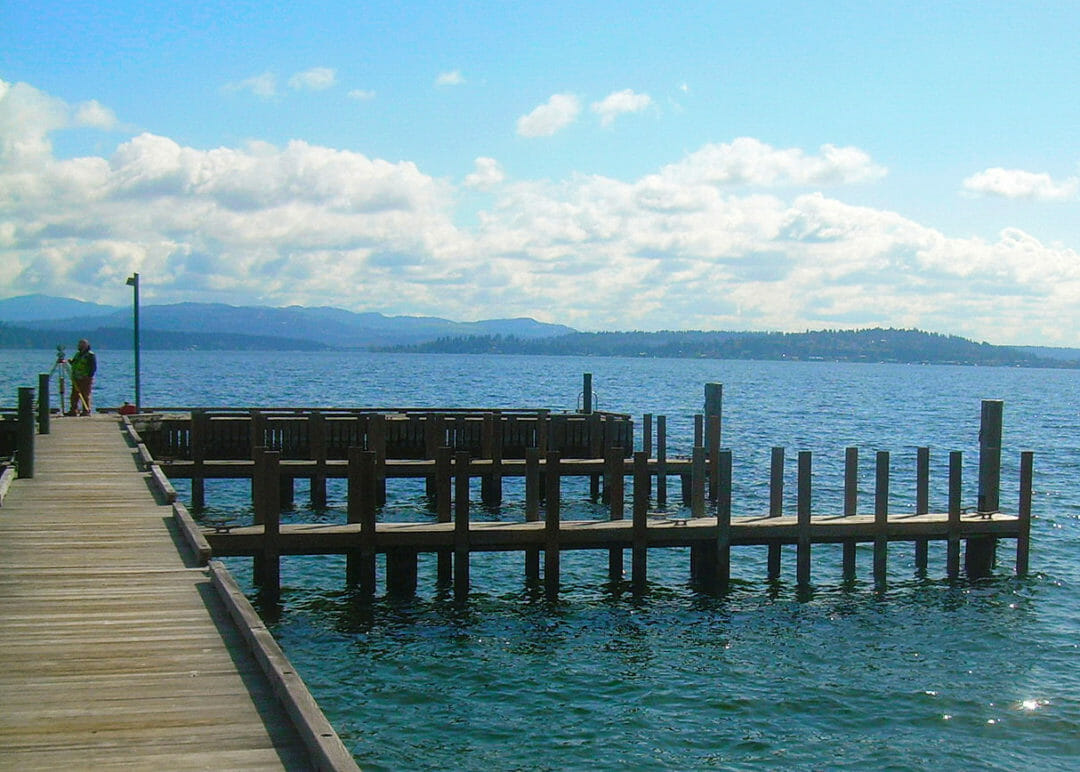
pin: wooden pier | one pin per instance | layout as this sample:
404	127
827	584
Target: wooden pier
450	448
119	646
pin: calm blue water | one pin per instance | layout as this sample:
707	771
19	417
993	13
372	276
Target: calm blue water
921	675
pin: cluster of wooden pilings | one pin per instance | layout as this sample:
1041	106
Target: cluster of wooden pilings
708	529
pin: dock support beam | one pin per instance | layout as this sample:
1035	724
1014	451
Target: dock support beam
640	553
360	563
802	557
461	524
1023	540
266	483
616	486
532	509
881	515
851	506
551	524
776	506
981	553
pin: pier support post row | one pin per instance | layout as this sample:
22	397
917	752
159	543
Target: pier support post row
25	447
981	553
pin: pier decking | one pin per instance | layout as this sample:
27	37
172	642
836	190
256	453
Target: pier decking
116	648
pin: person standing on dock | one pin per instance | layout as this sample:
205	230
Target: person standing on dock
83	367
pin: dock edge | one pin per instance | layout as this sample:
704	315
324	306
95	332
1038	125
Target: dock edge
325	748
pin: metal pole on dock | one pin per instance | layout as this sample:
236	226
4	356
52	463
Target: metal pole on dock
133	282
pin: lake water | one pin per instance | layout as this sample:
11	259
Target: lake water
923	674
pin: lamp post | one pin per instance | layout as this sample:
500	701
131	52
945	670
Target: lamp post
133	282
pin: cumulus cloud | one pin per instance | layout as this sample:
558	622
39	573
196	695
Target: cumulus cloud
452	78
263	85
619	103
94	115
486	175
749	161
551	117
1016	183
315	79
712	241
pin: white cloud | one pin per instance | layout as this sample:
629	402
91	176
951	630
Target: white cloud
554	115
361	95
1016	183
748	161
452	78
688	246
315	79
618	103
95	116
486	175
263	85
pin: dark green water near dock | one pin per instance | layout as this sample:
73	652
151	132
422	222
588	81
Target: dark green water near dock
922	674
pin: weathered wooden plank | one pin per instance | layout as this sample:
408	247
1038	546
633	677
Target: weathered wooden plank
114	648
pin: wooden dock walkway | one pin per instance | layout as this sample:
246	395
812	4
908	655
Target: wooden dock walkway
116	648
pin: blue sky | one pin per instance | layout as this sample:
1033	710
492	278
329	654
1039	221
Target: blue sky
781	166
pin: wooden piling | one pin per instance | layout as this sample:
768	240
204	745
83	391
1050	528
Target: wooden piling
43	403
377	445
802	557
362	505
776	506
491	448
646	434
317	443
443	512
25	442
1023	540
267	475
639	553
881	514
551	524
401	571
461	524
697	482
661	460
532	509
586	393
981	553
956	478
616	501
434	438
922	503
712	450
596	450
714	409
199	436
722	575
851	507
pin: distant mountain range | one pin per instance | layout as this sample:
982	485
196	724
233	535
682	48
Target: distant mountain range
36	321
39	321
